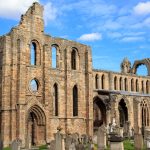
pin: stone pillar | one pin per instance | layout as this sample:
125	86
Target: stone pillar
138	138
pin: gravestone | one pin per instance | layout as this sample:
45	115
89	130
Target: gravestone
85	139
94	139
68	141
16	144
101	138
75	138
52	145
58	141
80	146
148	143
1	144
138	141
72	146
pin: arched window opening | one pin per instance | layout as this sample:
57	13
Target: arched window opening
123	113
55	99
147	87
73	59
141	70
99	113
142	86
54	57
137	85
132	84
75	101
33	53
34	85
103	81
144	114
96	81
115	83
121	84
126	84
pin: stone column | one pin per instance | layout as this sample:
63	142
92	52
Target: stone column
138	138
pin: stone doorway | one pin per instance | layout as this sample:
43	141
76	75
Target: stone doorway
36	128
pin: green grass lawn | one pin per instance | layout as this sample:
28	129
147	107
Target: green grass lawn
128	145
40	147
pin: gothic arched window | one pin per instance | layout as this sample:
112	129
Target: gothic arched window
144	113
103	82
73	59
147	87
33	52
126	84
96	81
75	101
132	84
55	99
121	84
115	83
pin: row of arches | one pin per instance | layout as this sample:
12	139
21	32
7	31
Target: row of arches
133	85
123	84
99	81
100	118
35	53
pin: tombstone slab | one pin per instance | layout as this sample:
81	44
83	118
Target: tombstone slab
1	144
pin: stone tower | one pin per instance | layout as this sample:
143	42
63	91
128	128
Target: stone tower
125	66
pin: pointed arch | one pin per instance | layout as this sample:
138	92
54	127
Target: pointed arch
123	112
55	59
142	86
73	59
36	125
99	112
144	113
121	83
147	87
125	84
115	83
55	103
75	100
35	53
97	81
39	113
103	81
132	84
137	85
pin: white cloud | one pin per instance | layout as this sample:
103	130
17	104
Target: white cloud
90	37
50	12
142	8
132	39
12	9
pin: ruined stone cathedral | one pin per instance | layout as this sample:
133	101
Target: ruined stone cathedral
36	98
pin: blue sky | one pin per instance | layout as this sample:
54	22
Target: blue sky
114	29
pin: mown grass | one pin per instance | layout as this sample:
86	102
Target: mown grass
43	147
128	145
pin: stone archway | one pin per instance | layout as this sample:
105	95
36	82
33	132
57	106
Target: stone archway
138	63
36	126
99	113
123	115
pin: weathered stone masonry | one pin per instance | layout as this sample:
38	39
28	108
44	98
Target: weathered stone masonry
65	95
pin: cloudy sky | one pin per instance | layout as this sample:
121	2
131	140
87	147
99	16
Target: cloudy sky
113	28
